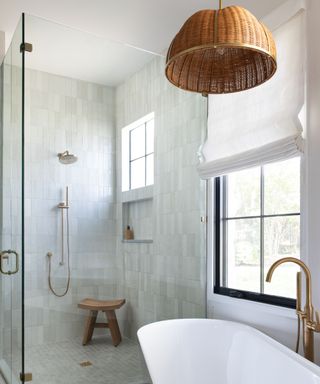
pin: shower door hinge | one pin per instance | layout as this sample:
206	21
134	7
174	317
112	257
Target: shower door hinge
204	219
26	47
25	377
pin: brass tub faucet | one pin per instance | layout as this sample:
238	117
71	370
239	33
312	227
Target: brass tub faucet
305	316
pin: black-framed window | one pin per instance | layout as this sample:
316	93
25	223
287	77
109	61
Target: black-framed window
257	221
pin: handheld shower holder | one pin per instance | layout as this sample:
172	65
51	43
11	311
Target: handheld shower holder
63	205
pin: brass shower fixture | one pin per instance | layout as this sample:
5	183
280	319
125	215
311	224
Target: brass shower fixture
67	158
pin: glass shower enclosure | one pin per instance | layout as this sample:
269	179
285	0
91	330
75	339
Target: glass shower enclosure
12	228
76	92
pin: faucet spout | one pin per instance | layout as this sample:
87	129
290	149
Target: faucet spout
309	325
306	271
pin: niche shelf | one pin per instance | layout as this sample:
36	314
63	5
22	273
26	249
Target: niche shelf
138	241
138	215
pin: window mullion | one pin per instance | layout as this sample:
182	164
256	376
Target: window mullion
225	231
218	182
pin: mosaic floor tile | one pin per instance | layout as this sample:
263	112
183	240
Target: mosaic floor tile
59	363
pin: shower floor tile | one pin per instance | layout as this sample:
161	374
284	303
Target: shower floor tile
59	363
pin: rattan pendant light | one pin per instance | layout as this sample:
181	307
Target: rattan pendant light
221	51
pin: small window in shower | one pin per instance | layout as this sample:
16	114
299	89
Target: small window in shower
138	153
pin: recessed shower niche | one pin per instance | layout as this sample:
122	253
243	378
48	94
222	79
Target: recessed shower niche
137	208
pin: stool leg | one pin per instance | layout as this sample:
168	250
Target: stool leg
114	327
89	327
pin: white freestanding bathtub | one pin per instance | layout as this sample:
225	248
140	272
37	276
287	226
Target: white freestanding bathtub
203	351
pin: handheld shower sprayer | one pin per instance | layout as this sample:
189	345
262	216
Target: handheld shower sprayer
62	206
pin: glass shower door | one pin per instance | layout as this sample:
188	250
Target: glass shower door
11	208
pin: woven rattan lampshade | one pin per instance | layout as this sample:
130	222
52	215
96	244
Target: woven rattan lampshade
221	51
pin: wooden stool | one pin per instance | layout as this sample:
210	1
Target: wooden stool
109	307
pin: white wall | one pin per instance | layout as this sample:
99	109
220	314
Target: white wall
313	152
2	45
313	148
280	323
159	280
165	279
61	114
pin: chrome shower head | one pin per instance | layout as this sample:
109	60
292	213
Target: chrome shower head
67	158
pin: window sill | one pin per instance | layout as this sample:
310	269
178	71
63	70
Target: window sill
248	305
137	194
256	297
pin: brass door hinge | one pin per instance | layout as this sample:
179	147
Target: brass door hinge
25	377
26	47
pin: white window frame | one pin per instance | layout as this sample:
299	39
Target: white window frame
125	150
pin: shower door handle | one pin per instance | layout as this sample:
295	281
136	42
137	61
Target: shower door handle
5	255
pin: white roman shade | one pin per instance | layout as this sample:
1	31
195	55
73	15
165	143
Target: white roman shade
261	125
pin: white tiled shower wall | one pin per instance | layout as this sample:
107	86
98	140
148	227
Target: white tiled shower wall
160	280
165	279
67	114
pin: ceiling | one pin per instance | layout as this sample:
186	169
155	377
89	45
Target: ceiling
75	54
96	38
148	24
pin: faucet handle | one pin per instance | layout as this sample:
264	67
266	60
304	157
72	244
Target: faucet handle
317	318
315	325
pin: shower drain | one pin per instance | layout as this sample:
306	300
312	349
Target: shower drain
85	363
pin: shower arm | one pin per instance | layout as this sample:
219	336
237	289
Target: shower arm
61	154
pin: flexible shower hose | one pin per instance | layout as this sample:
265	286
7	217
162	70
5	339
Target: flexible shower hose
68	257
